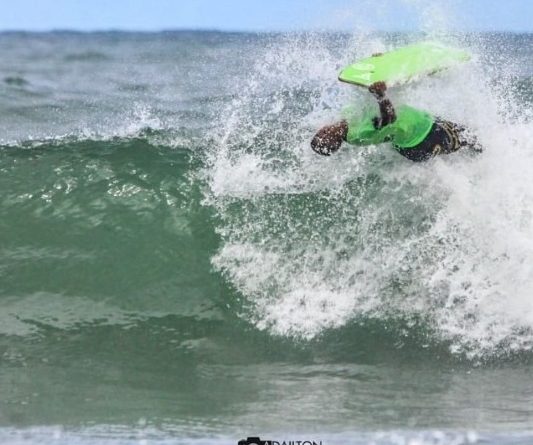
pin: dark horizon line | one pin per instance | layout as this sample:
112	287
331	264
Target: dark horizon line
237	31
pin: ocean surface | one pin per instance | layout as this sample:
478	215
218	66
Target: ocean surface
177	266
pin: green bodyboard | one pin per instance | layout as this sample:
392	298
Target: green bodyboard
403	65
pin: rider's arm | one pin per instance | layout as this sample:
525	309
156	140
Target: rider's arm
386	109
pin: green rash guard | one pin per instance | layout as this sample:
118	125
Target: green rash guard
408	130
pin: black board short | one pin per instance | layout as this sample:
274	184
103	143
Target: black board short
444	137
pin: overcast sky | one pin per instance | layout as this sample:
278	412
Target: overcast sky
264	15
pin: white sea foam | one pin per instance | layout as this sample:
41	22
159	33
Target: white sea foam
149	435
313	243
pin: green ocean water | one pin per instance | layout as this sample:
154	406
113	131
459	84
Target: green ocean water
177	266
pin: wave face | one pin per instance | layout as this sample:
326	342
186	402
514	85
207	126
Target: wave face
175	262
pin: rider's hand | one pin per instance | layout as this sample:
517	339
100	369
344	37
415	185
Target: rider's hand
378	89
